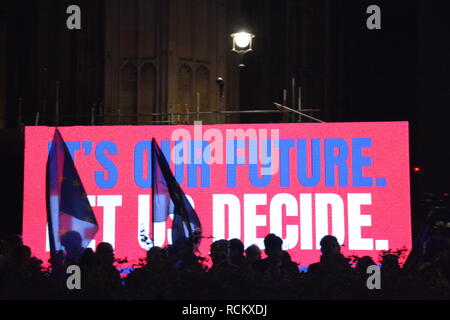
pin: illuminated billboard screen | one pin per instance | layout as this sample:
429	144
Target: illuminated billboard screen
299	181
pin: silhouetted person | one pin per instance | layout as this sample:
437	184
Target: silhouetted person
220	255
271	266
151	281
253	254
331	259
72	243
389	263
390	267
104	254
332	277
362	265
391	276
184	266
361	276
181	255
106	281
221	277
287	265
21	275
237	252
8	243
22	260
87	258
156	257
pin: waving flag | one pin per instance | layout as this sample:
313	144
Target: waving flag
168	198
431	240
68	208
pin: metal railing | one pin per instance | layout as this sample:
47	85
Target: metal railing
155	118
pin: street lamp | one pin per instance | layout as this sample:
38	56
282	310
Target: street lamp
242	42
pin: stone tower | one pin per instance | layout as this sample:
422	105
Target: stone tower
164	57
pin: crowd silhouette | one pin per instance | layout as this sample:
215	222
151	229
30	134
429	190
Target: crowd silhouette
177	272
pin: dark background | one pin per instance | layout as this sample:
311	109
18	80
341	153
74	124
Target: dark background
401	72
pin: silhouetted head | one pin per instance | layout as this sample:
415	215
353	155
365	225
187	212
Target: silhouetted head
8	243
181	254
253	253
273	245
12	240
87	257
155	255
363	263
105	253
20	254
390	262
236	251
220	251
72	243
330	246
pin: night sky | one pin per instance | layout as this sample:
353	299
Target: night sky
401	72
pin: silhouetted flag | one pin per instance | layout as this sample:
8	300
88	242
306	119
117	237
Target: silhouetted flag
169	198
68	208
418	245
429	231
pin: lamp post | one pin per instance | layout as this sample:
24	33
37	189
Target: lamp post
242	44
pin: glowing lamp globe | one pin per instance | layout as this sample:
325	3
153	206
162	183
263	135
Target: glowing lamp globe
242	39
242	42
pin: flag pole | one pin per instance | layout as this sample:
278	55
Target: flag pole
19	117
51	236
57	104
153	189
300	103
